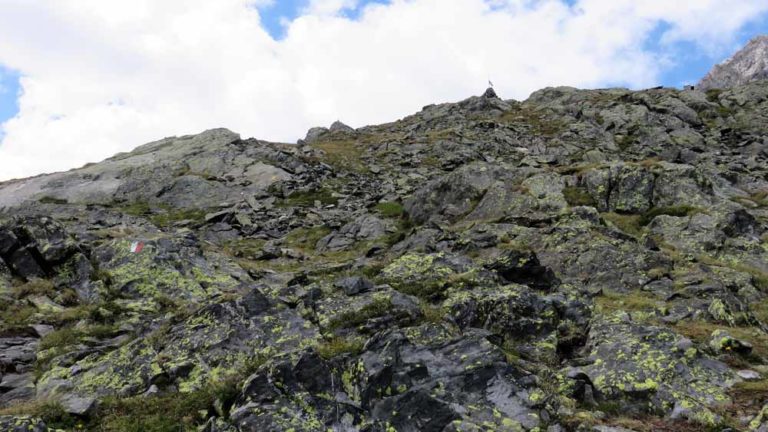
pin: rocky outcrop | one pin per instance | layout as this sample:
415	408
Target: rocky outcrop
747	65
582	260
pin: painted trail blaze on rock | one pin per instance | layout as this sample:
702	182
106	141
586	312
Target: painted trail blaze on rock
137	246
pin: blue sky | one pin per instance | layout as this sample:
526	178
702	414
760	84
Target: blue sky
182	66
9	89
691	62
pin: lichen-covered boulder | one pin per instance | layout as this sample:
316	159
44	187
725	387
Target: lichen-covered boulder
453	195
210	345
166	267
22	424
653	370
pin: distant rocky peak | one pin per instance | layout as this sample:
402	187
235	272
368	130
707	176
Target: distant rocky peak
747	65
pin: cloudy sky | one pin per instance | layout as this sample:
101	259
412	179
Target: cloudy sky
83	79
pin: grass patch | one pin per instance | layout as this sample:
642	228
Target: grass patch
701	331
337	346
629	224
169	216
166	413
576	196
759	199
343	154
633	224
713	95
390	209
677	211
52	413
52	200
35	287
432	314
378	307
434	289
634	301
536	119
305	239
137	209
759	277
60	338
245	248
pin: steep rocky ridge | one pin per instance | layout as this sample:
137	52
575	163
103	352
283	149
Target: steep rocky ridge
747	65
583	260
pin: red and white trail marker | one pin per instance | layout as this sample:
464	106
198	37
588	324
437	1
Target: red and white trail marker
137	246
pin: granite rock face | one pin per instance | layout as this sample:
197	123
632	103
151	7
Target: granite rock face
583	260
747	65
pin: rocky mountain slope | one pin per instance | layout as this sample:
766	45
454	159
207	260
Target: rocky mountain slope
747	65
584	260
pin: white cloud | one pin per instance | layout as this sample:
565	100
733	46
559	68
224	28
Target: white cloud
102	76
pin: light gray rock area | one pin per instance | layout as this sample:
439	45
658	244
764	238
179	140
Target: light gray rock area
747	65
584	260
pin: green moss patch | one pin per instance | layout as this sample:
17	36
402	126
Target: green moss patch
390	209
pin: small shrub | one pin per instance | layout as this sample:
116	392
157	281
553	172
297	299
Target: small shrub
432	314
713	95
60	338
36	287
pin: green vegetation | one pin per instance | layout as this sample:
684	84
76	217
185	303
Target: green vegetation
576	196
701	331
163	215
677	211
342	154
378	307
305	239
390	209
713	95
432	314
538	120
337	346
52	413
245	248
434	288
758	199
629	224
759	277
138	209
633	224
52	200
163	413
634	301
169	216
38	287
